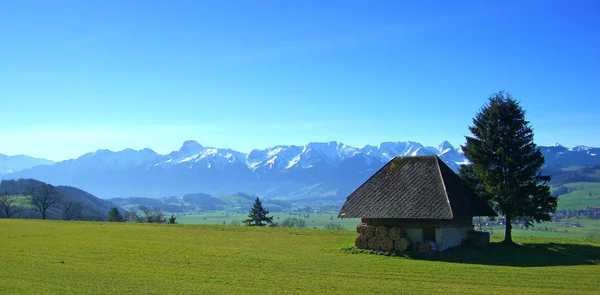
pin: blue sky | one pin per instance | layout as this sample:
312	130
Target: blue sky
77	76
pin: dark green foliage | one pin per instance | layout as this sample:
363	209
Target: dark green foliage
258	214
561	176
467	174
507	163
172	219
114	215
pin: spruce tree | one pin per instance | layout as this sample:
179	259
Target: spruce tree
114	215
258	214
507	163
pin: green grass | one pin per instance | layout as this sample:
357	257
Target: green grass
54	257
580	198
313	220
563	229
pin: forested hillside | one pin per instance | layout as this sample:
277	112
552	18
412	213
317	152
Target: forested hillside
73	203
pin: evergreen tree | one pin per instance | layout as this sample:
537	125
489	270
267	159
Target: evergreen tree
507	163
467	174
258	214
114	215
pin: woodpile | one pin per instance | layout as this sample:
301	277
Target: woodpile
365	230
381	232
373	243
396	233
426	247
388	240
386	244
361	243
402	244
381	238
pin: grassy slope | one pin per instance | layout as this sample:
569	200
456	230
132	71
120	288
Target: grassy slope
78	257
580	198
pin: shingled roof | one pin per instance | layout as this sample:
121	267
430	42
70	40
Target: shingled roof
421	187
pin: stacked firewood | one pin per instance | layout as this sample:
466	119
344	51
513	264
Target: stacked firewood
381	238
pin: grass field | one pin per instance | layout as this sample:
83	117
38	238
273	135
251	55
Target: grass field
54	257
587	194
313	220
563	229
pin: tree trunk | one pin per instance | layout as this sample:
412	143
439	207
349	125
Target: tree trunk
508	230
43	215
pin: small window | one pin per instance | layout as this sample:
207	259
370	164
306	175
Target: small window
429	234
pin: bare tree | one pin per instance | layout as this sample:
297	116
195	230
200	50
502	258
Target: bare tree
8	206
43	197
71	210
145	214
134	216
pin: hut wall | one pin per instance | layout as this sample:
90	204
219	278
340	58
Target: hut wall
451	235
415	235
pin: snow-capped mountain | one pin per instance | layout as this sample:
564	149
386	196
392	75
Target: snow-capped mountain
193	154
124	159
577	156
317	169
11	164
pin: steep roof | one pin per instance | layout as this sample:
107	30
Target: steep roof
422	187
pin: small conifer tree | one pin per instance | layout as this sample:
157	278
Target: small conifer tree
258	214
114	215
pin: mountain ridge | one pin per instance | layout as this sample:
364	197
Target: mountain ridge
15	163
317	169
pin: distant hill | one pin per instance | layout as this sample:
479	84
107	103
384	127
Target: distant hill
93	208
202	202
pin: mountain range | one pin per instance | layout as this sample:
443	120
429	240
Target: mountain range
314	171
9	164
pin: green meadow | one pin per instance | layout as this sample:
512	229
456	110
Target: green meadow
313	220
587	194
55	257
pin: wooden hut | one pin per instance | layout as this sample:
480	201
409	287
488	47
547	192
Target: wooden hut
421	196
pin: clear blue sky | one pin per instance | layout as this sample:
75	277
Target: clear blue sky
77	76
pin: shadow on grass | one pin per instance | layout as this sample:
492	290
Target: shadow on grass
523	255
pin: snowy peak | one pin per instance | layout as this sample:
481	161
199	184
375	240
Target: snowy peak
126	158
445	147
580	148
190	146
396	149
193	155
277	157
